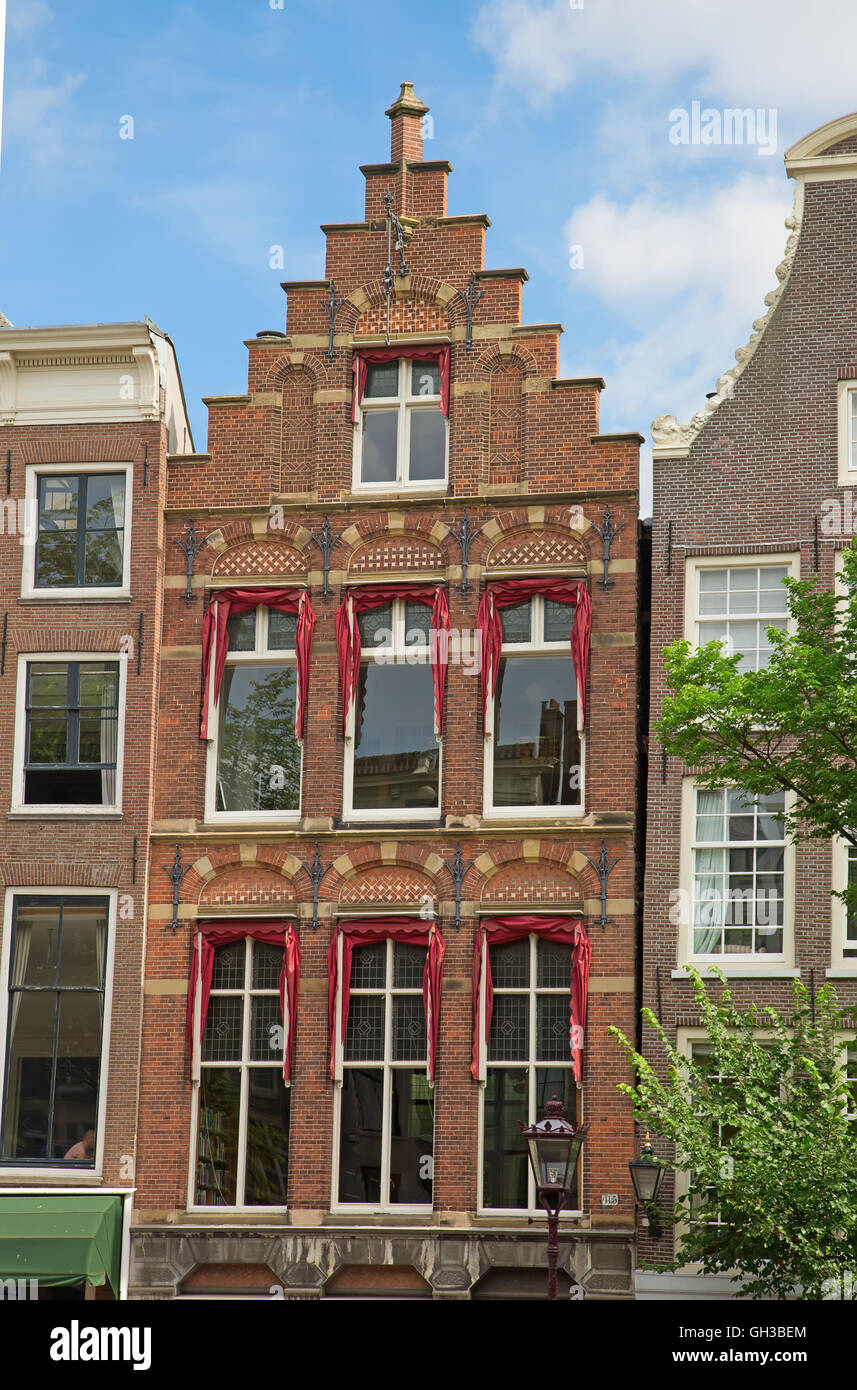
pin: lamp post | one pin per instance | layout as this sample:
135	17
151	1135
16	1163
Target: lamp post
648	1175
554	1147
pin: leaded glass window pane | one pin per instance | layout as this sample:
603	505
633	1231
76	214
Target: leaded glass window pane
364	1036
228	970
409	1028
266	1028
376	626
509	1036
267	965
554	964
553	1023
241	631
282	630
510	965
425	379
221	1041
516	621
382	380
558	620
369	966
408	965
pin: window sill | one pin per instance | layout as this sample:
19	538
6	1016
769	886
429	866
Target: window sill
755	971
842	972
62	1177
75	596
394	492
353	820
512	815
64	813
249	820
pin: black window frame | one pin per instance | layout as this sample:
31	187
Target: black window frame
71	709
80	581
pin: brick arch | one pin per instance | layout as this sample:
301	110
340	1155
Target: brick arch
386	855
558	859
376	545
267	558
292	362
537	546
422	289
518	883
493	358
247	885
220	860
388	883
291	538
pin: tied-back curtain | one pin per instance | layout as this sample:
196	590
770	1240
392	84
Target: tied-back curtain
215	640
489	625
206	941
501	931
349	647
362	359
364	931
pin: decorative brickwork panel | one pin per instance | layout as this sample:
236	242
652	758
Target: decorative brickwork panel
537	548
259	557
406	316
401	554
394	885
246	886
506	424
297	449
523	883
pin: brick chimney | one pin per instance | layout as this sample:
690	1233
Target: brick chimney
406	118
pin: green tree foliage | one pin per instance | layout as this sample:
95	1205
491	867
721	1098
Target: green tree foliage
761	1128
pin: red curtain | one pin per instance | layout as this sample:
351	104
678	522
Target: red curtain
226	604
349	647
363	931
509	591
211	935
362	358
500	931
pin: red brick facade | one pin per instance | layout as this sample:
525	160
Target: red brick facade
528	464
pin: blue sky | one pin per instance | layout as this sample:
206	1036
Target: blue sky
250	123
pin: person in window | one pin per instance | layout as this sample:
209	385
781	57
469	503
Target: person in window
84	1149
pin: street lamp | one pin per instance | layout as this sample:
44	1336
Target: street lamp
554	1147
647	1175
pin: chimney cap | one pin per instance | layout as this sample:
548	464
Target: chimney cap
408	102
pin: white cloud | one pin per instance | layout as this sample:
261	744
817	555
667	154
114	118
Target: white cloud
688	275
230	216
39	122
766	53
26	17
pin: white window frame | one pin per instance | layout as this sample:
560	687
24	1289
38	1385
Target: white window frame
531	1066
77	593
538	647
395	653
738	963
247	992
697	563
406	405
61	1175
842	966
846	393
71	809
259	656
389	1065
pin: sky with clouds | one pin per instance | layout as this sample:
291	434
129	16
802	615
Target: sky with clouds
250	121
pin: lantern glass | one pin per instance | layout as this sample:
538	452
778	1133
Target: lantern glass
647	1177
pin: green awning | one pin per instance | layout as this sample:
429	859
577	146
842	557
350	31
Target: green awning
61	1239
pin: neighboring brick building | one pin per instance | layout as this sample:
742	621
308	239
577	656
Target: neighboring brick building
739	501
372	1182
88	415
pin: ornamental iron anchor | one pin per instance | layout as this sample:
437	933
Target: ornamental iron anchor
393	223
333	306
458	871
326	542
464	532
175	873
471	296
608	533
316	872
190	545
603	869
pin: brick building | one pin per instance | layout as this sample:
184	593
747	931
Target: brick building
744	494
405	401
88	416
